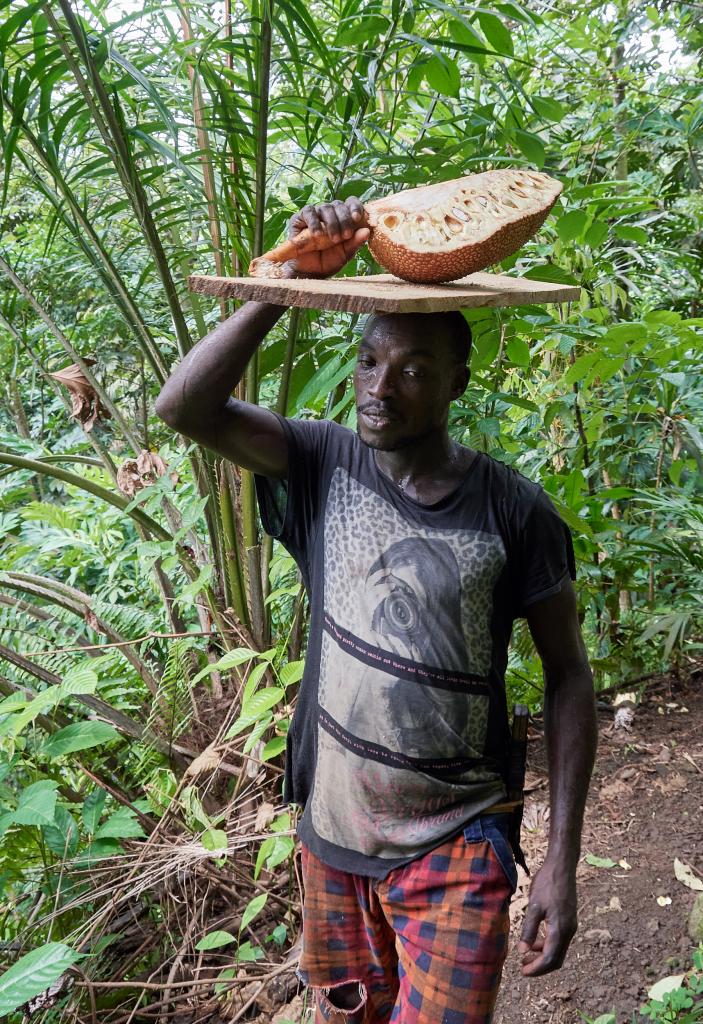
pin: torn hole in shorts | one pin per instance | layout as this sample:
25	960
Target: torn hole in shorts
349	1014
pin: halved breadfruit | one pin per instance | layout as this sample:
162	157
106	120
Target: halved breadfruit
442	232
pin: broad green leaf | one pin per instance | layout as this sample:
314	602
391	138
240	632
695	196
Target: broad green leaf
355	187
273	748
37	803
518	351
261	702
215	940
279	934
631	233
282	823
489	426
571	225
253	680
196	814
291	672
531	145
300	194
272	852
93	809
13	702
6	821
13	725
248	953
79	736
574	487
230	660
100	849
580	368
496	33
62	836
229	974
215	840
521	403
548	108
252	909
257	731
550	272
122	824
575	522
627	332
596	234
442	74
462	31
33	973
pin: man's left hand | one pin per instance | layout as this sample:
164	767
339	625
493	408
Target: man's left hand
552	901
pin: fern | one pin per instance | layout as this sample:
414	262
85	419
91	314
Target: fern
52	515
171	709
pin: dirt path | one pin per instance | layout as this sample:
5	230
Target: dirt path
645	808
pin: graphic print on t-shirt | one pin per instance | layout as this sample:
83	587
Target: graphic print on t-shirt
405	655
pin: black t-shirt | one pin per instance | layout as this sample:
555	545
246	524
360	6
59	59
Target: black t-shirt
401	733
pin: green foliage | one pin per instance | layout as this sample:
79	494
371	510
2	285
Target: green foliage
143	617
33	973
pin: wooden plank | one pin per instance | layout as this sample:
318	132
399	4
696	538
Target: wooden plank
383	293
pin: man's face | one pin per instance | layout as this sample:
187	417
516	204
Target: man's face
403	382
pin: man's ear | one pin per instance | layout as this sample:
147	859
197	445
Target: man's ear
462	376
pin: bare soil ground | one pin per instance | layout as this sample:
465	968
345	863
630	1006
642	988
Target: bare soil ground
645	809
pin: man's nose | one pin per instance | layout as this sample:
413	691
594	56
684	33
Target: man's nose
383	384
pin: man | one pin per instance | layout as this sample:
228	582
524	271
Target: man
417	554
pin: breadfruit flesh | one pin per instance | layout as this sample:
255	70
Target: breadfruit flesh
443	232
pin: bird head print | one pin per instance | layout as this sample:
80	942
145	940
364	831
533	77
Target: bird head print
415	591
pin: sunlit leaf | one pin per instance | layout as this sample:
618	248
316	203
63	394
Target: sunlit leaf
34	972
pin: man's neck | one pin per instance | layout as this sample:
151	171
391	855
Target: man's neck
428	469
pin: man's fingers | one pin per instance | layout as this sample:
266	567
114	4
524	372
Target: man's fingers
328	216
344	216
530	926
352	245
548	954
308	217
356	208
548	960
536	947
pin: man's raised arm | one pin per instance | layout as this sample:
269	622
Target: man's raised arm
196	399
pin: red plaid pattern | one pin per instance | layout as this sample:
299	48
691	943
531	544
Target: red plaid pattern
427	943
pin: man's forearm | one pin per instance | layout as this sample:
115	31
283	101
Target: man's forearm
204	380
571	736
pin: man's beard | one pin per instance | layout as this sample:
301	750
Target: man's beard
396	445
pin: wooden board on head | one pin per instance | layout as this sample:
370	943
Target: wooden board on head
383	293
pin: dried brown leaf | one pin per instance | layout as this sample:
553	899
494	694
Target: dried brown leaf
86	406
685	875
264	816
134	474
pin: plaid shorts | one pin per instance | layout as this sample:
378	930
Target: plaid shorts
426	944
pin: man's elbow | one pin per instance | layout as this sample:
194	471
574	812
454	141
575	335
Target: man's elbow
169	409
